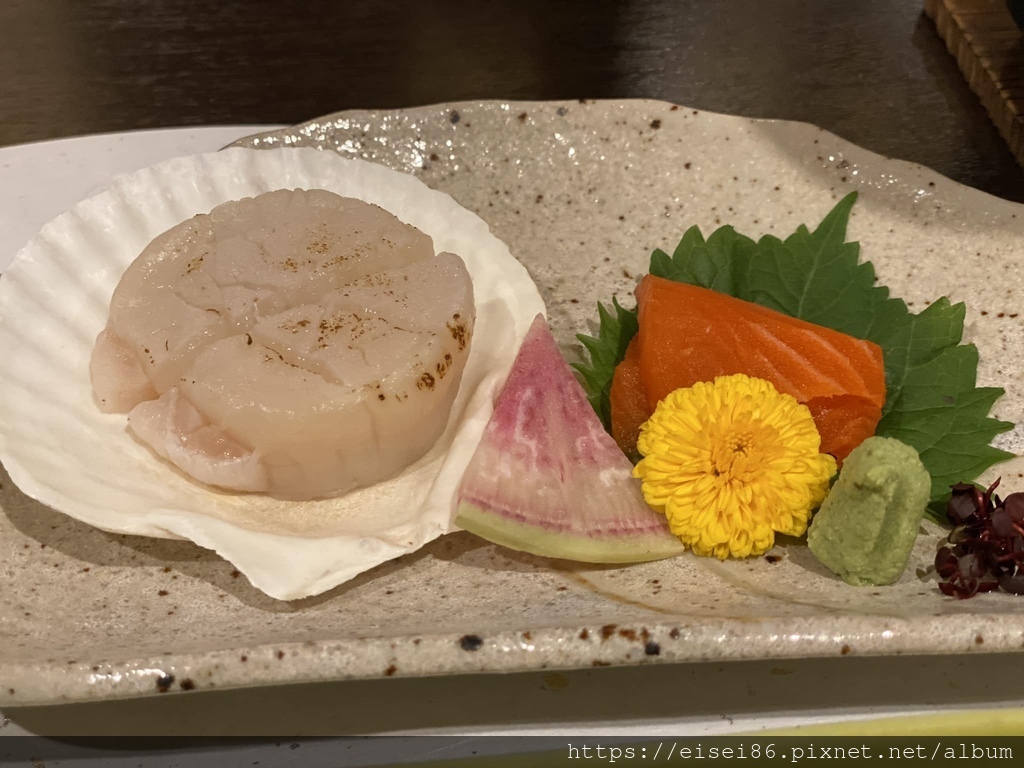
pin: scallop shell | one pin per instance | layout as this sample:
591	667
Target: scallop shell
59	449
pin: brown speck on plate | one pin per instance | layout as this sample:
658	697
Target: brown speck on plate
471	642
164	683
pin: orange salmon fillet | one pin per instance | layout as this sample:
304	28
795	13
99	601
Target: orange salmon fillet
690	334
628	400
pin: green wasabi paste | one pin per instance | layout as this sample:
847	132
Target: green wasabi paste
866	527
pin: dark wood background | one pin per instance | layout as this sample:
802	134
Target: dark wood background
872	71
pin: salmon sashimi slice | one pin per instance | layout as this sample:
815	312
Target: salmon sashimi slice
844	422
690	334
629	409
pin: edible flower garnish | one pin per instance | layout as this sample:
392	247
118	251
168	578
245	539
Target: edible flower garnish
731	463
985	549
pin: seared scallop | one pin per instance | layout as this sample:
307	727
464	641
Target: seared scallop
297	343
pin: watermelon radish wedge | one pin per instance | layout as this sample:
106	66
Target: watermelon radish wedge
547	479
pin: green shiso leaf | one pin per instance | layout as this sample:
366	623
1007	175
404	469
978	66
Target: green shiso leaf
932	401
719	263
605	350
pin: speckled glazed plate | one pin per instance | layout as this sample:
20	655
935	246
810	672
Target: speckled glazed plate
581	192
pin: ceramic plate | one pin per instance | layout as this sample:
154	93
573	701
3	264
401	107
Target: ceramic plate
581	192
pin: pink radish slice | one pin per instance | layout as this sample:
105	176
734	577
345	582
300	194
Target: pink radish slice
547	479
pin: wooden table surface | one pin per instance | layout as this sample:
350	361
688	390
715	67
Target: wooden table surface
872	71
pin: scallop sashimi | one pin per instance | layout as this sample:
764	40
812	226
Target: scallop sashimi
296	343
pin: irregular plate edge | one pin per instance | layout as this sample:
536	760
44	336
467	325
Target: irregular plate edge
631	644
771	124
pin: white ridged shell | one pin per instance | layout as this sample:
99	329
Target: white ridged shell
59	449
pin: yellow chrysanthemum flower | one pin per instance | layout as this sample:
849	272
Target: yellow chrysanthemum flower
731	463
